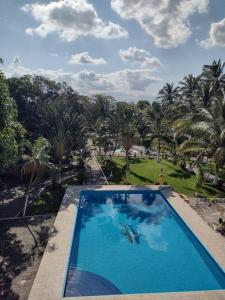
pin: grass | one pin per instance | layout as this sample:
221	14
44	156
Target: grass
48	203
144	171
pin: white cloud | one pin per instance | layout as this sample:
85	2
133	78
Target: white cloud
124	80
140	56
85	59
127	84
166	21
71	19
216	36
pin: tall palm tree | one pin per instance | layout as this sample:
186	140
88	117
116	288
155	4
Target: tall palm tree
36	164
128	130
128	140
60	138
61	124
189	88
205	95
168	94
214	74
204	130
103	136
156	116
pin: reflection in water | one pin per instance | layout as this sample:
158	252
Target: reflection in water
153	236
130	233
109	219
144	207
154	214
148	209
148	198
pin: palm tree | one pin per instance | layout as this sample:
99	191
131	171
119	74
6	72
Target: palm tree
214	74
189	88
103	136
205	95
128	130
128	139
156	117
36	164
204	132
60	139
168	94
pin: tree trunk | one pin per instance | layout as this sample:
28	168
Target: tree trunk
116	144
28	190
215	180
127	167
33	236
158	150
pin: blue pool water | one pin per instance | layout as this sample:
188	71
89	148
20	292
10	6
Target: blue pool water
133	242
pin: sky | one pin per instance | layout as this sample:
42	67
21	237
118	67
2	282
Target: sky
124	48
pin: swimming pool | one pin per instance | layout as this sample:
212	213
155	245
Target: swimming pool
133	242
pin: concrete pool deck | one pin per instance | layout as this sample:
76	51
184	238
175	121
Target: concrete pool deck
50	278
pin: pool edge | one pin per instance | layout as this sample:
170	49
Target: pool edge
50	279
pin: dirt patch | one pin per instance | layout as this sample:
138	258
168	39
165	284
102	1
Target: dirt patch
19	258
210	212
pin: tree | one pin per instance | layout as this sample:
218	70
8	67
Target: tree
168	94
61	125
204	132
11	131
156	117
35	94
143	104
188	90
103	136
213	75
205	95
128	132
37	163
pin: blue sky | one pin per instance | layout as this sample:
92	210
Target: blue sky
124	48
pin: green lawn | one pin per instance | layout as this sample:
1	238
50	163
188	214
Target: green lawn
144	171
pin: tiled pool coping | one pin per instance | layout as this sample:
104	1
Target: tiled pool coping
49	281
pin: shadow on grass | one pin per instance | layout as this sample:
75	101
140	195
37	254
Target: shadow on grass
180	174
171	166
144	179
116	172
117	175
135	160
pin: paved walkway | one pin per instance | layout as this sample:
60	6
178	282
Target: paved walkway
94	173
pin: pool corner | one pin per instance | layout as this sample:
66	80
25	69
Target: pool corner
50	279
